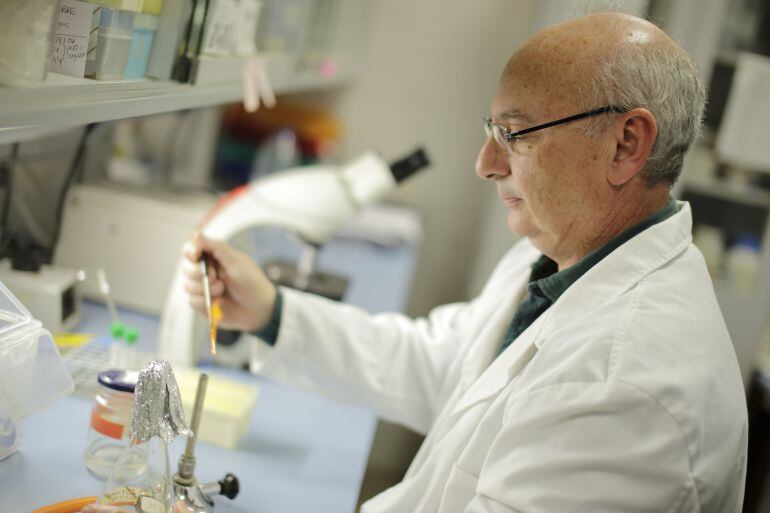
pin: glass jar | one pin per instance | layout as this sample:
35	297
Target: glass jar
110	421
152	491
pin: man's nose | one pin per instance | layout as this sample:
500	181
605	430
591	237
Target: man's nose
492	161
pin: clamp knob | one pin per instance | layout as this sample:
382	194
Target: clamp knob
229	486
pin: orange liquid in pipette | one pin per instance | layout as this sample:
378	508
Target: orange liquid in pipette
216	316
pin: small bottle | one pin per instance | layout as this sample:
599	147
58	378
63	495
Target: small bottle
117	356
130	355
742	263
110	419
711	242
156	421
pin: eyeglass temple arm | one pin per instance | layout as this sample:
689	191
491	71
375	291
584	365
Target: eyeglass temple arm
590	113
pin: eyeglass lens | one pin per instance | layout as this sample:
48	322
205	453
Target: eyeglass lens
496	132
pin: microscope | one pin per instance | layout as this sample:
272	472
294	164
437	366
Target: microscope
311	202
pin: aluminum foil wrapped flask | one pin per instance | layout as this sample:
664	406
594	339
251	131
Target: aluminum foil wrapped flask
141	480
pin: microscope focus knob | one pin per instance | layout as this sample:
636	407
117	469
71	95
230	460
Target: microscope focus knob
229	486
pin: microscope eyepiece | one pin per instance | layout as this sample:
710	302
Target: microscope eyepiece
407	166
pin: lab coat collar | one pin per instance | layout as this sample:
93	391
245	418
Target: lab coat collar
623	268
615	274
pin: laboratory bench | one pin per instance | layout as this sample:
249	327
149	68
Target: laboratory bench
302	452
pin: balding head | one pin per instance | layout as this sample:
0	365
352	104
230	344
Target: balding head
621	60
561	59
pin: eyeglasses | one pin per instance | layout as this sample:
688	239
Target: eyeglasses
505	138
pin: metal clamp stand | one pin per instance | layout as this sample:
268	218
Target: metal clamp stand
197	497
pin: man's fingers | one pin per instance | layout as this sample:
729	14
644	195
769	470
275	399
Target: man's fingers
194	288
197	303
191	270
194	281
216	287
222	252
192	249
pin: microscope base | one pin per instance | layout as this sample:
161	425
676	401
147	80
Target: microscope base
324	284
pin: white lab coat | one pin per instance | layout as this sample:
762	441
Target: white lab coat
624	396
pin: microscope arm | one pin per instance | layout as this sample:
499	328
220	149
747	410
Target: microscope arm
312	201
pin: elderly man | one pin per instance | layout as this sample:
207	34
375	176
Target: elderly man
594	372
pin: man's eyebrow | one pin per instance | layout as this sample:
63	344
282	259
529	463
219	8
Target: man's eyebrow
513	115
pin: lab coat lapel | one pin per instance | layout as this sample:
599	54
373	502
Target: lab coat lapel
497	375
504	368
485	373
476	361
491	331
623	268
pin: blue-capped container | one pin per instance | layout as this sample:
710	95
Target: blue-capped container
108	62
145	26
110	421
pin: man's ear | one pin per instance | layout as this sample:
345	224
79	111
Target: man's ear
635	134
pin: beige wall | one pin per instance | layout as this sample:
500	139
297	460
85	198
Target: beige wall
428	71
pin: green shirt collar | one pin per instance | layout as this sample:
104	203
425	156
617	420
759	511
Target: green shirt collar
552	282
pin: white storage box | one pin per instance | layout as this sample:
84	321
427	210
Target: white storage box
32	374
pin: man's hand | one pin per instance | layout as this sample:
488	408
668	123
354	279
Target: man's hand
246	295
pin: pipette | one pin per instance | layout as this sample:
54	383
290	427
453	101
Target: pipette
122	356
213	310
104	288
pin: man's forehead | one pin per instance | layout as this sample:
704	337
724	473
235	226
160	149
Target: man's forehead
545	77
530	93
515	102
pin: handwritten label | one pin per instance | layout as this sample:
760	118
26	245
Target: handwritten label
231	28
74	23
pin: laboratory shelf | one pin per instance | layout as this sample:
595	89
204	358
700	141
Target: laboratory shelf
63	101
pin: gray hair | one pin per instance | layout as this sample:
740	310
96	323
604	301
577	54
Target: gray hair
665	81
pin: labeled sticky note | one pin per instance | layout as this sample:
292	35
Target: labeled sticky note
72	339
231	28
221	29
75	21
